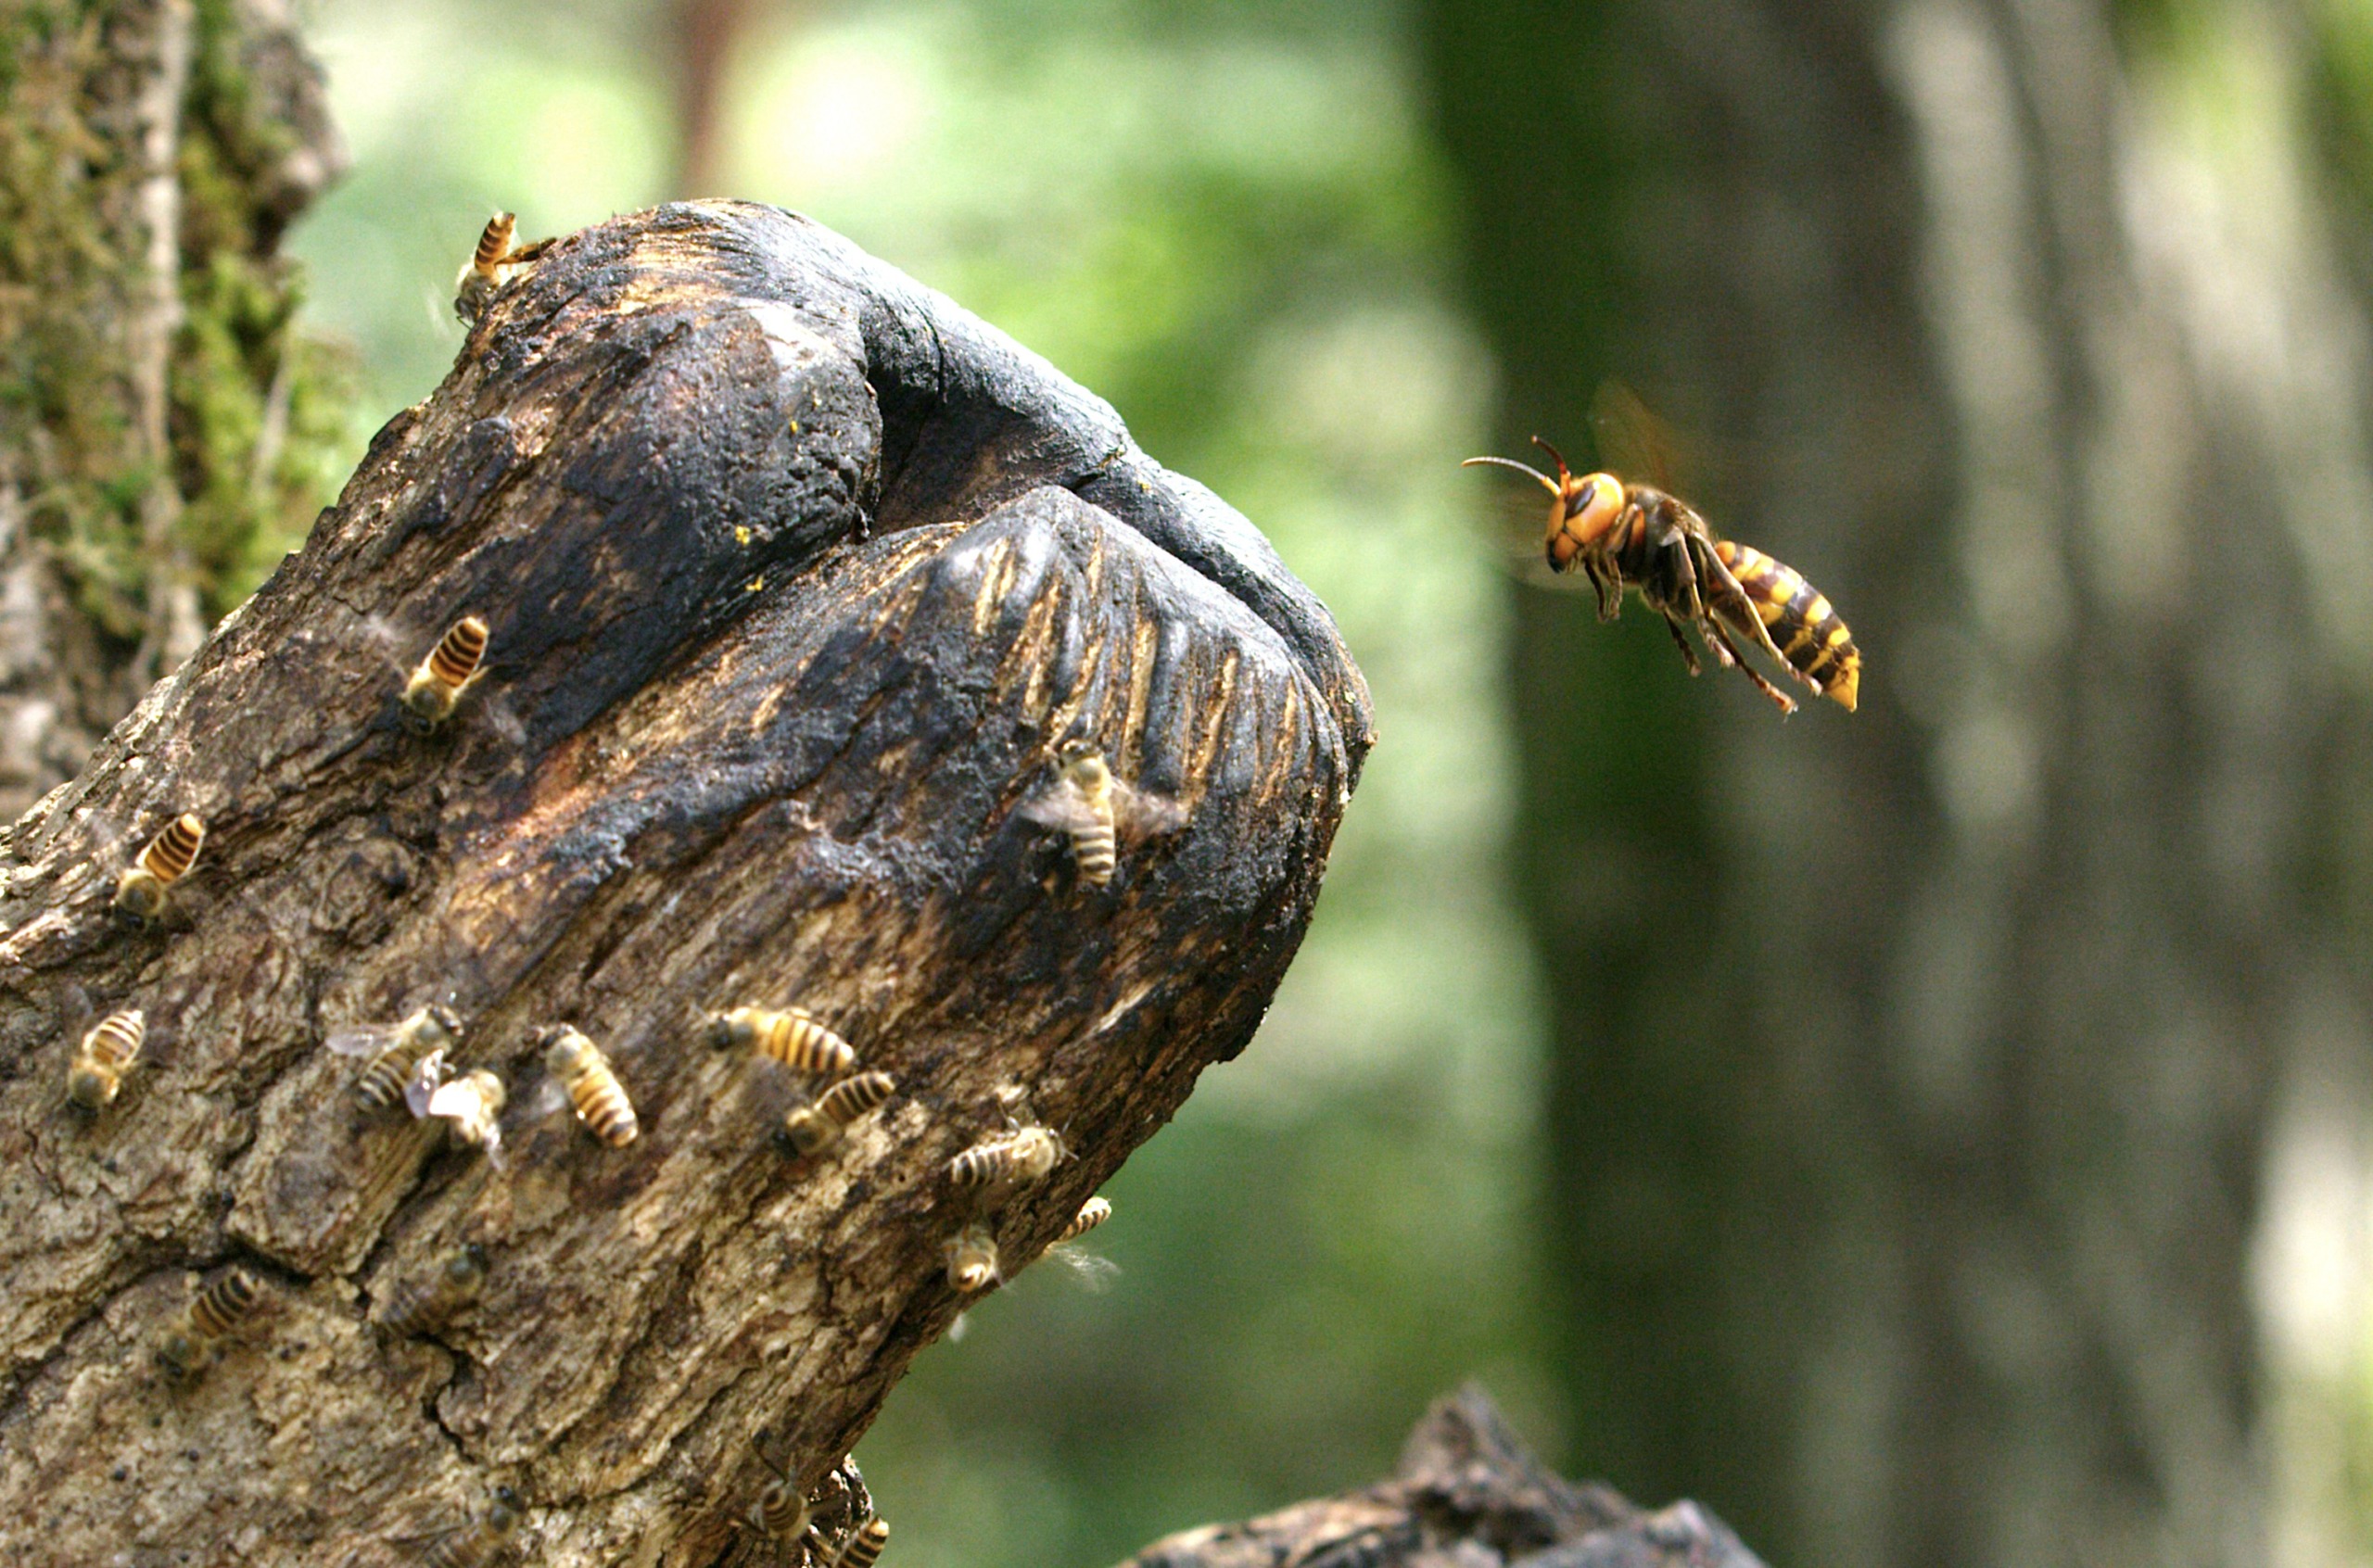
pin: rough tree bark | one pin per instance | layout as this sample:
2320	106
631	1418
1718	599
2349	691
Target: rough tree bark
1469	1495
797	575
158	414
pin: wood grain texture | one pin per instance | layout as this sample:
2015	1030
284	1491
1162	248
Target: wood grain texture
797	575
1466	1495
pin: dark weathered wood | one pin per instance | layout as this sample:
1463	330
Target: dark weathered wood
797	575
1467	1494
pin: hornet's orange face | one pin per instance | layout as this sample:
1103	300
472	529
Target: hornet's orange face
1581	510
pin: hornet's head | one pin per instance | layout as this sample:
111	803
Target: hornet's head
1581	510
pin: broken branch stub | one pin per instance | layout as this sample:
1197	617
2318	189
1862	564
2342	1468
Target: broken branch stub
1468	1494
797	579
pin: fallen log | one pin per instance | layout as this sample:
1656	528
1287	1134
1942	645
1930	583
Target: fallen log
798	585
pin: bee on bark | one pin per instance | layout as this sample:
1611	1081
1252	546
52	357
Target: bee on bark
815	1129
140	891
791	1037
426	1304
106	1054
579	1066
780	1512
196	1334
395	1051
863	1549
451	667
1092	1213
972	1259
1095	810
492	264
475	1545
1095	1271
1015	1159
471	1104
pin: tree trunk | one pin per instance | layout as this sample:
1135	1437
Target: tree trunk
798	577
160	420
1466	1493
1911	1066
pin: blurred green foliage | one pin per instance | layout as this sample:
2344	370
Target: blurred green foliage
1224	218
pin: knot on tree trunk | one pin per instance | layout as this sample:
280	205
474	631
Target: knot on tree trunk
1467	1496
796	581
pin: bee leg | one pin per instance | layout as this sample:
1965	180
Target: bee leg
1688	654
1732	605
1717	637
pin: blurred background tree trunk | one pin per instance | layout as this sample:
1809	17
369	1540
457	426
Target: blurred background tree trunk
162	425
1912	1069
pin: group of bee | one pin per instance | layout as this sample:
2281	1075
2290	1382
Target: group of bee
411	1063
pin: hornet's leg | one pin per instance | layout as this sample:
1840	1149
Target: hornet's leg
1688	654
1719	638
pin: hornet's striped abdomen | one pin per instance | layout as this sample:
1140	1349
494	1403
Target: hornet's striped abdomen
1804	626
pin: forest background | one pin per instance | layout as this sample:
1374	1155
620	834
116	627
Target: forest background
1941	1135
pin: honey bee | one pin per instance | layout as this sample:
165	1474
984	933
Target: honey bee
593	1089
863	1549
474	1545
197	1333
140	891
1638	535
395	1051
1092	1213
972	1259
106	1054
449	671
491	265
791	1037
470	1104
781	1510
817	1127
1093	808
1014	1158
422	1306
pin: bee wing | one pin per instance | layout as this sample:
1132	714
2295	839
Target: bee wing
549	1098
1095	1271
1144	814
427	1079
1061	807
362	1040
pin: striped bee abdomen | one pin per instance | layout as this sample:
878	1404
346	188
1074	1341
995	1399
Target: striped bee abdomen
781	1511
1097	849
864	1549
114	1041
794	1038
494	241
171	853
852	1097
600	1100
601	1103
455	658
224	1305
1803	625
1092	1213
